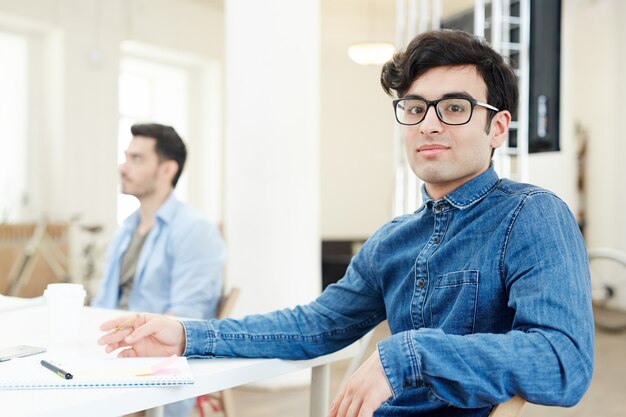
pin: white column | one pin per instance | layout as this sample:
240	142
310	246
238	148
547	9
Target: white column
272	152
620	149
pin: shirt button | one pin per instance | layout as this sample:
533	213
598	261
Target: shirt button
436	239
421	283
438	208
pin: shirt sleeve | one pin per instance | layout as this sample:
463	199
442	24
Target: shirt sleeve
547	357
343	313
197	253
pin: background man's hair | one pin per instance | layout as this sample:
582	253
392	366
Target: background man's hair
168	146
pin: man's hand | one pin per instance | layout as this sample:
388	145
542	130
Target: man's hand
144	335
365	391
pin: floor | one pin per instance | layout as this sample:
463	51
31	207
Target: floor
604	397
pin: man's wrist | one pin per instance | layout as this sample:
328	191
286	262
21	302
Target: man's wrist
400	362
199	338
182	347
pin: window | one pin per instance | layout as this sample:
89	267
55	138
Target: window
150	92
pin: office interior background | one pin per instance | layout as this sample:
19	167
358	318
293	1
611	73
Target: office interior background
291	142
315	159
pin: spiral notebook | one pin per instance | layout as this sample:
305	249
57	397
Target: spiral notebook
28	373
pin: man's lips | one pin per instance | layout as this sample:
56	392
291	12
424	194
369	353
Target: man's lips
431	150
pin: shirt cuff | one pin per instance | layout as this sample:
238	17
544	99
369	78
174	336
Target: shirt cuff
400	362
199	338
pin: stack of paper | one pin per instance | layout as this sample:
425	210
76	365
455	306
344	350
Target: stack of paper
28	373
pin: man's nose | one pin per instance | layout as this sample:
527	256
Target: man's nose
431	123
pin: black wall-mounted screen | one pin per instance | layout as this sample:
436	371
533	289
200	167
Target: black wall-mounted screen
545	69
545	75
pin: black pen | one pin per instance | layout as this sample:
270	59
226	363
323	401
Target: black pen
60	372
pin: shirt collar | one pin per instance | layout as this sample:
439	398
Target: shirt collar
168	210
469	193
165	214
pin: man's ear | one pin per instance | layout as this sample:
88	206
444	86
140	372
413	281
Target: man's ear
169	169
500	128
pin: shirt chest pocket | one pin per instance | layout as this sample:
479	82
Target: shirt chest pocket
452	302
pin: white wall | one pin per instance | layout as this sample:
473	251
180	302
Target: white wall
597	41
357	128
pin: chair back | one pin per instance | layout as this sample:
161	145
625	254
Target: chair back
227	303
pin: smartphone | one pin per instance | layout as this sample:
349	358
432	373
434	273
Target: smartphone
19	351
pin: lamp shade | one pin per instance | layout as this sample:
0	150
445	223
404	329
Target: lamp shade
371	53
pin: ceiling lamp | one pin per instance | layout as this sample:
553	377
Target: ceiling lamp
371	53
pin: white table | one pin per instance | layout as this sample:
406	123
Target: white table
29	326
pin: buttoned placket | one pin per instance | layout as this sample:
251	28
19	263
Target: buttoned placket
441	215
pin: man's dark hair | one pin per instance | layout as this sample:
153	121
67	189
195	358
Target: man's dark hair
168	145
448	48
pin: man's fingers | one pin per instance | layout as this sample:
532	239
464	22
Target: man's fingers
332	410
127	353
351	406
344	405
334	406
365	391
144	334
114	336
110	348
355	408
147	329
113	346
113	323
365	411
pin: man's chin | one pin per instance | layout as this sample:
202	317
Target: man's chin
429	174
126	191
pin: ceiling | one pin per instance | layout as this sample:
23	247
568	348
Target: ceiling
384	9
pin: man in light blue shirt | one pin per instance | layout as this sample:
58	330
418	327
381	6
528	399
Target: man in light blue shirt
485	287
166	258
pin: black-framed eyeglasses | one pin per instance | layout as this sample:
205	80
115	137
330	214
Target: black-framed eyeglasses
452	111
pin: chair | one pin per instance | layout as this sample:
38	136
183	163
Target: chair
223	400
227	303
511	408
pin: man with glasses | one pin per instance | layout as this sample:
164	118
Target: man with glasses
485	287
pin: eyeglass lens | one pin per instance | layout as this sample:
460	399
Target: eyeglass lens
452	111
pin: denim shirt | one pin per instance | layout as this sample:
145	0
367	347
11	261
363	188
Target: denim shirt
179	269
486	293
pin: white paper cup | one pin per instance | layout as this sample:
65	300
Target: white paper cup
65	303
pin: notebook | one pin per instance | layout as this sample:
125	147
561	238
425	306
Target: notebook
28	373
